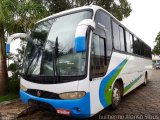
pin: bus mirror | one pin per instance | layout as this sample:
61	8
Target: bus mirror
87	22
80	36
15	36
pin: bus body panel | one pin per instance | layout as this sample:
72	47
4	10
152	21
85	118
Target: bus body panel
96	85
79	108
132	75
56	88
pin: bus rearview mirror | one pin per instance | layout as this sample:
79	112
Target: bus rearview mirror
13	37
80	36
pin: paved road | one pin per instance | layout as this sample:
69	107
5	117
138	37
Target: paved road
142	103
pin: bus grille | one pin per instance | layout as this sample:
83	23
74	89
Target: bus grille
40	105
43	94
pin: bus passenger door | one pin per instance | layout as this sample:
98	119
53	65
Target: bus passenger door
98	68
101	49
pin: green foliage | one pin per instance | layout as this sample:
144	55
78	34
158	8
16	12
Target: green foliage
9	96
13	86
119	8
156	49
12	67
12	91
15	71
56	6
19	15
28	12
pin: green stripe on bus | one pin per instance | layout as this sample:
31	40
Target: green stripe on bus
108	94
131	84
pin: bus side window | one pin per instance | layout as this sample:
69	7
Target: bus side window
98	65
129	41
103	19
136	47
116	36
121	33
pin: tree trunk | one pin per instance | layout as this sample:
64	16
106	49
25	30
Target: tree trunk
3	65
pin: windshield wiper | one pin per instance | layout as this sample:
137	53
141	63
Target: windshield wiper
37	53
56	54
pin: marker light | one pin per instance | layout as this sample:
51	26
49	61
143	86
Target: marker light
72	95
23	87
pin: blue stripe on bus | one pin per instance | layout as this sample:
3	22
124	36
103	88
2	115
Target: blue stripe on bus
83	104
105	81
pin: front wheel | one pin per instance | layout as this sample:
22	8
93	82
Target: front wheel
116	96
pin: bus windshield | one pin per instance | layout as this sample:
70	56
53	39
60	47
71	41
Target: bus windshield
50	48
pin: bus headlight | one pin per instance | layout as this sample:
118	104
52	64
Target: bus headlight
72	95
23	87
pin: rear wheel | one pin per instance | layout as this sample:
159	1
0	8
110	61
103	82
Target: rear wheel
145	79
116	95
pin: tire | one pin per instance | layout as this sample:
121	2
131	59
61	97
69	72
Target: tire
116	95
145	79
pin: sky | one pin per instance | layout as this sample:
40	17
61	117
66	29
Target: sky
144	19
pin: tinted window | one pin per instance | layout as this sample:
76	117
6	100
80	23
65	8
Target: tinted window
128	44
103	23
103	29
98	55
122	39
50	50
131	43
147	51
116	36
135	48
142	48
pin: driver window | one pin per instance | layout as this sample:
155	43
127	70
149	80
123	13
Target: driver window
98	57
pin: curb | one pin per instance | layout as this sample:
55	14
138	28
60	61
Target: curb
9	102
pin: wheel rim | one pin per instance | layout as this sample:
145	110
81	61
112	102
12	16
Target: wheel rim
116	96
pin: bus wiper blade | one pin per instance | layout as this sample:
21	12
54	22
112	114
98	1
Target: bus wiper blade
37	53
56	48
56	57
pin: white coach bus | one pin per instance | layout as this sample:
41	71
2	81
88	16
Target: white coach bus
80	61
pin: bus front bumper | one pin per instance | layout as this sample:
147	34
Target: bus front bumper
79	108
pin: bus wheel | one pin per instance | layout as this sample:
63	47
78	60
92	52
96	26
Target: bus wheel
145	79
116	95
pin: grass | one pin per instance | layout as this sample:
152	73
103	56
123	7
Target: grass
12	91
8	96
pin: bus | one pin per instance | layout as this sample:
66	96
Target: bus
80	61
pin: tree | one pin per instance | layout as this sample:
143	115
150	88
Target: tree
5	14
156	49
16	16
119	8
